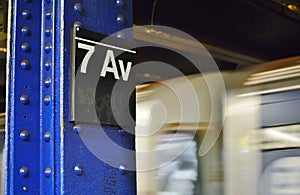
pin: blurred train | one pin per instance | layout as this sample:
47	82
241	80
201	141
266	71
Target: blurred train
201	139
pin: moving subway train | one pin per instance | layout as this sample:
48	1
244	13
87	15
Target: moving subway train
200	139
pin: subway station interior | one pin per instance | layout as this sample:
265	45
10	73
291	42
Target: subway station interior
150	97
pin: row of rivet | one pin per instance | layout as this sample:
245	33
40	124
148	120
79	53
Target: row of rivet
47	66
78	169
78	9
24	99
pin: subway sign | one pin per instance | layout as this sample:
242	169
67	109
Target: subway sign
103	87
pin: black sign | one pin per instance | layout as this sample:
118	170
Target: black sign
104	83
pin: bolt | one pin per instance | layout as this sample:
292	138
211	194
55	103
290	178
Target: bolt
25	47
123	170
120	35
47	172
122	132
78	8
48	48
48	14
47	65
24	135
48	31
26	14
25	64
78	25
47	82
26	31
24	172
24	99
78	169
121	19
47	100
120	3
47	136
25	188
76	129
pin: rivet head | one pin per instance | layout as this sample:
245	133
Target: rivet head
26	31
24	172
47	136
25	64
26	14
24	188
47	172
120	35
78	169
76	129
121	19
48	48
47	100
47	65
122	132
78	8
78	24
47	82
48	14
24	135
122	170
25	47
24	99
48	31
120	3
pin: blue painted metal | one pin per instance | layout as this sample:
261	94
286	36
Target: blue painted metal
22	174
49	157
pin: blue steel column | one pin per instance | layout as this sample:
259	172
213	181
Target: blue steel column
83	172
23	107
45	155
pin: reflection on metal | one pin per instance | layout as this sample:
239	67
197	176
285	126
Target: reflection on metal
274	75
276	137
190	46
2	122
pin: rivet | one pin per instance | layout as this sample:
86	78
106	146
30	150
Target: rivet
78	8
122	170
25	64
24	172
120	3
120	35
78	24
48	31
26	14
26	31
47	100
25	47
121	19
78	169
48	48
47	136
25	188
47	65
122	132
47	172
76	129
47	82
48	14
24	99
24	135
